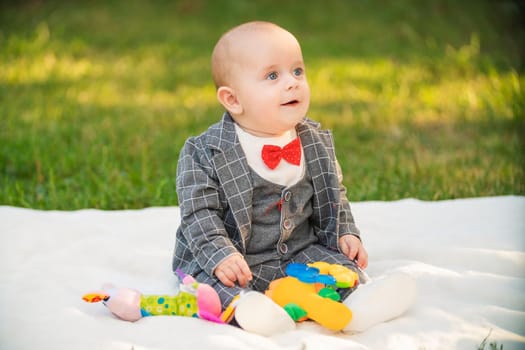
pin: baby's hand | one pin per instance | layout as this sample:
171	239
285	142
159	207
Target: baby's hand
352	247
234	269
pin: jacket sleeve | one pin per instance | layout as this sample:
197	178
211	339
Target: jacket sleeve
332	217
200	205
346	219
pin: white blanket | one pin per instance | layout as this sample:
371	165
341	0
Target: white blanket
467	256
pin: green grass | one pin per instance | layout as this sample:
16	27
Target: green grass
426	98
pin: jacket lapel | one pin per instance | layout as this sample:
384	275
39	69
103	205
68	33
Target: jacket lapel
233	173
320	155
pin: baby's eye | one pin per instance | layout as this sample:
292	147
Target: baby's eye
272	76
298	71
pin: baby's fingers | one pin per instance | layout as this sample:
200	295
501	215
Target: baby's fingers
362	258
244	274
348	249
226	275
344	247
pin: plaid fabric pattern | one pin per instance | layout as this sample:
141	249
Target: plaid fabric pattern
214	188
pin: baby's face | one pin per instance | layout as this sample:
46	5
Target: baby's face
270	83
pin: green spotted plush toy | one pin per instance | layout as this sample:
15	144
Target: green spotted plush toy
193	300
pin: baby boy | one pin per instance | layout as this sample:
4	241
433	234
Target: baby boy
262	188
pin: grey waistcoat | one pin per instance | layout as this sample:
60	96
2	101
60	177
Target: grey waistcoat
280	226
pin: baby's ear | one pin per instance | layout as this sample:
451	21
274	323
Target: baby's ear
228	99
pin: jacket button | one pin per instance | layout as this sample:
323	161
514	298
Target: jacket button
287	196
287	224
283	248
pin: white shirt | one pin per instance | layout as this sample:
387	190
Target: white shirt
284	174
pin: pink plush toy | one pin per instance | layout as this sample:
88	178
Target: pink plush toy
193	299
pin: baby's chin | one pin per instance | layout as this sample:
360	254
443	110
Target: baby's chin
276	132
284	125
287	127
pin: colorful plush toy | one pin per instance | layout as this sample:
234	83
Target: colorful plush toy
308	292
193	299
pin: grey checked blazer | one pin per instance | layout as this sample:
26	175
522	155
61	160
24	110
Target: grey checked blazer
214	188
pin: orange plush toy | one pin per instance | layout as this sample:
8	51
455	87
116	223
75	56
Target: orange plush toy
308	292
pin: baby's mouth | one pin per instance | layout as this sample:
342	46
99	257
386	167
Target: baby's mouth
291	103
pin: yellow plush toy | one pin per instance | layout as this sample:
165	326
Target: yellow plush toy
308	293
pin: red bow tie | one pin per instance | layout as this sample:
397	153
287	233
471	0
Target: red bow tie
272	154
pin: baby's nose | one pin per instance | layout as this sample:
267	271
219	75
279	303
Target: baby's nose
292	82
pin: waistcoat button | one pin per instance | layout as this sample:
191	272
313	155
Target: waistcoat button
283	248
287	195
287	224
